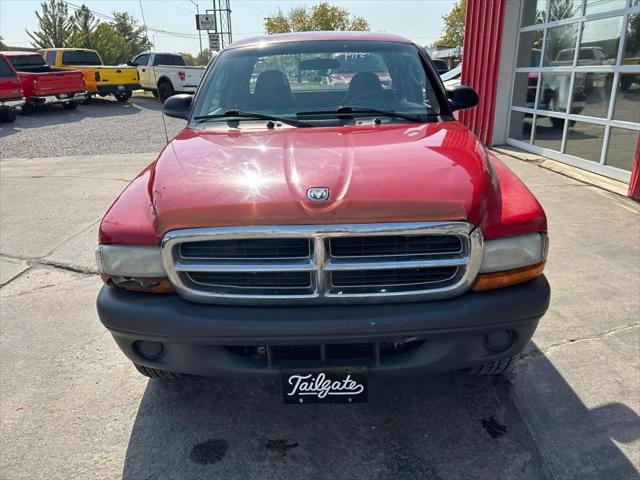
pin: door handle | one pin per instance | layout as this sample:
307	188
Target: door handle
143	70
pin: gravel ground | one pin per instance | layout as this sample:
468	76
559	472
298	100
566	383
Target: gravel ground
103	126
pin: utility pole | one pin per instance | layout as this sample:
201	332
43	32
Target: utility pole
199	32
222	11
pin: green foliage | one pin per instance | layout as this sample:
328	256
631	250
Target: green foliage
322	16
111	46
188	58
84	26
55	26
2	45
453	31
204	57
135	37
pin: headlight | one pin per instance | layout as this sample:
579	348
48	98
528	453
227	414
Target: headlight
132	267
512	260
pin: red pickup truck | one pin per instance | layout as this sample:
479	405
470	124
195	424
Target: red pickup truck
322	234
45	85
11	96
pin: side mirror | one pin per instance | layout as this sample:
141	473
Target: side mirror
178	106
461	97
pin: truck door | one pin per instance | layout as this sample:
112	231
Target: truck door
144	70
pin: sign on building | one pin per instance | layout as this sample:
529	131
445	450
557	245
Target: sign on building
206	22
214	42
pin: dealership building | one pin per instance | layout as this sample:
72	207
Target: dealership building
558	78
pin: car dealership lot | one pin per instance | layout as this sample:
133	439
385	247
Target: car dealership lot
73	407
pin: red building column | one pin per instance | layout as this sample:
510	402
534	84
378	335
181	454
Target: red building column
634	183
481	60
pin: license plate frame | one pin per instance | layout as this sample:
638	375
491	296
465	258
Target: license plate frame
325	385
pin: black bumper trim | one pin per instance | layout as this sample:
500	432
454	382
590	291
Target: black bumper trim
111	89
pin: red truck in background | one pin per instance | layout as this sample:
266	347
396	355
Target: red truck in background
321	234
43	84
11	96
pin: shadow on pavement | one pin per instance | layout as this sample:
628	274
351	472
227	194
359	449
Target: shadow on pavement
441	427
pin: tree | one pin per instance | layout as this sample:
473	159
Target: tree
188	58
322	16
55	26
135	37
111	46
2	45
453	32
203	57
84	25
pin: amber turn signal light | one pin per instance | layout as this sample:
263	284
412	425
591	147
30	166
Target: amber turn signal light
491	281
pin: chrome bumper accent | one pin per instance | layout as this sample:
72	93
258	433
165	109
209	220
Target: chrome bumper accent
50	99
467	263
13	103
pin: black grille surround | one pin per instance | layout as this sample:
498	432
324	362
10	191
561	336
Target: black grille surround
323	264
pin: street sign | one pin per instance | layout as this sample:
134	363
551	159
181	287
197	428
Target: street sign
214	42
206	22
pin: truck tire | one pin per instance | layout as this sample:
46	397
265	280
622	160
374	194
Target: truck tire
27	109
492	368
165	90
154	93
8	115
155	373
122	96
70	105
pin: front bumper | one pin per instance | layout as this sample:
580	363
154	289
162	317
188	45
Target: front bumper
205	339
12	103
111	89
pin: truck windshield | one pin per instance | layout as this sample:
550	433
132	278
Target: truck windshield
317	79
80	57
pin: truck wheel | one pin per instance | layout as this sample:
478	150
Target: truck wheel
154	93
70	105
492	368
154	373
27	109
8	115
123	96
165	90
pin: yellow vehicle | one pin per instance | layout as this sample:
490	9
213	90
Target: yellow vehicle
99	79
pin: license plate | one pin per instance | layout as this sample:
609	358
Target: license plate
63	95
120	87
325	385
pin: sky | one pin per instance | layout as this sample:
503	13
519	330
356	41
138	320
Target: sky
419	20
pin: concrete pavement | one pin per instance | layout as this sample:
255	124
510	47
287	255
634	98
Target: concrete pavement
71	405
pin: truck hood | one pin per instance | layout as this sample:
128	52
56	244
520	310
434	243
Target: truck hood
393	173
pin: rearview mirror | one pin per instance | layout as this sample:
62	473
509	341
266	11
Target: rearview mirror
461	97
178	106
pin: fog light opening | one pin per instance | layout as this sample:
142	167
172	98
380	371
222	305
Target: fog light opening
499	341
149	350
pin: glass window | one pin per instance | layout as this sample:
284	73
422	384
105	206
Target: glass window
554	91
584	140
561	9
600	40
142	60
548	132
533	11
168	59
5	69
520	126
529	49
524	89
627	105
592	94
80	57
19	61
598	6
631	55
291	77
51	57
561	44
622	148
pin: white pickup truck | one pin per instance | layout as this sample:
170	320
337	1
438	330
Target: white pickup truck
166	74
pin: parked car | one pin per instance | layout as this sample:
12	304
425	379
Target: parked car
441	65
453	77
99	79
348	65
11	95
165	74
43	84
320	234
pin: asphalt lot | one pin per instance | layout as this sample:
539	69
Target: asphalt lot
71	405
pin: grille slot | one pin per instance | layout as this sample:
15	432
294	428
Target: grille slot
395	245
266	280
323	264
392	277
248	248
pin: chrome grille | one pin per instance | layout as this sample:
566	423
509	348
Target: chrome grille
359	263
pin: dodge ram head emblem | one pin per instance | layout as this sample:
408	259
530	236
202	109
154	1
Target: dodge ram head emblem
318	194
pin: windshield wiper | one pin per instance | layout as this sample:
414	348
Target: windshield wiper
237	114
356	110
